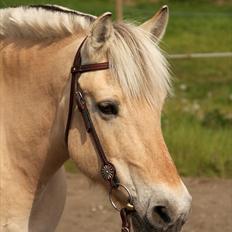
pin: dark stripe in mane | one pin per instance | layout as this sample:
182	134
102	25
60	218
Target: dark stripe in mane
53	8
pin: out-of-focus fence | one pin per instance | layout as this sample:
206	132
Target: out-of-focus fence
119	17
200	55
119	10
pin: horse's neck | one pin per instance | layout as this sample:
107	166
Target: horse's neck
33	79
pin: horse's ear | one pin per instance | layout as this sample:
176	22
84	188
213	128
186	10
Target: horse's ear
101	30
158	23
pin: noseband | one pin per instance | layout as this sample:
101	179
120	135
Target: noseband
108	171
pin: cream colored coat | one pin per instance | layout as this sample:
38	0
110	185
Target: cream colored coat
34	88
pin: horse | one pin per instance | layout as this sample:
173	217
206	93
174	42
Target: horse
37	45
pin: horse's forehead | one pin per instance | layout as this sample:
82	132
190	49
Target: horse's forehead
101	83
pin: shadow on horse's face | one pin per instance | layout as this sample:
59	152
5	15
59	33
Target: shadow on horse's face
129	127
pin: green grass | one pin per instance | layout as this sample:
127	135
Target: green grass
194	26
199	151
207	81
197	120
70	166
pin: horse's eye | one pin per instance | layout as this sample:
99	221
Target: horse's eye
108	108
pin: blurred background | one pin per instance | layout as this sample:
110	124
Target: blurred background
197	120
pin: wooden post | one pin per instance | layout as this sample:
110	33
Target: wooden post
119	10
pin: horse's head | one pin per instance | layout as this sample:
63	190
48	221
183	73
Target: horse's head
125	104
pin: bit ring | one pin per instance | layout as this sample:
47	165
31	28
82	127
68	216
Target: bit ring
129	204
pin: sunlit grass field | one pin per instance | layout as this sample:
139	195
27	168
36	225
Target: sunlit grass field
197	119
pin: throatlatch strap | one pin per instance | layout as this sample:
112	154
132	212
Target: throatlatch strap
76	64
70	108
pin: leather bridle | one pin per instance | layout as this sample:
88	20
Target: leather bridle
108	171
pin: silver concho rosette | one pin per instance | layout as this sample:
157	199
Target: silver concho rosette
108	171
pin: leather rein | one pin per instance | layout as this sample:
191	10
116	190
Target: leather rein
108	171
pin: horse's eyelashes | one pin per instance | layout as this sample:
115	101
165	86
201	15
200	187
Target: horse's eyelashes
109	108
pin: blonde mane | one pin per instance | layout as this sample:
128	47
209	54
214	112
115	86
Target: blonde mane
138	64
135	59
42	22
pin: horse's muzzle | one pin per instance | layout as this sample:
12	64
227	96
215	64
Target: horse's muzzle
142	224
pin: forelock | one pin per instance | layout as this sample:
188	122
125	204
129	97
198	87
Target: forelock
138	64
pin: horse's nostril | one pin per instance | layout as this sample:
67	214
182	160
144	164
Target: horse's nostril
162	211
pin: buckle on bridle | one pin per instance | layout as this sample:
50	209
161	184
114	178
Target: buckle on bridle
74	70
80	100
